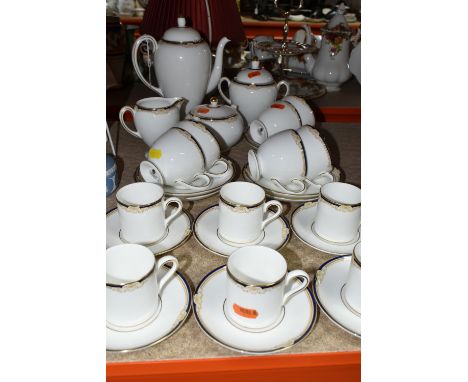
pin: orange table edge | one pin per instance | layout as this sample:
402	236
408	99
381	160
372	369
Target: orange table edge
323	367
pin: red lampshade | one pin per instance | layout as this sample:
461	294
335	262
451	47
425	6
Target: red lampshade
161	15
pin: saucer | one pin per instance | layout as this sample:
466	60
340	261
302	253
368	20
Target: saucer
192	195
300	315
179	232
250	140
176	301
301	221
276	234
311	194
328	284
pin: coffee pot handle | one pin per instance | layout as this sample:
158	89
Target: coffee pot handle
298	182
135	49
305	282
177	212
276	215
221	90
162	261
122	120
286	85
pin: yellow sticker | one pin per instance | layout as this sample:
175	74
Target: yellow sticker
153	153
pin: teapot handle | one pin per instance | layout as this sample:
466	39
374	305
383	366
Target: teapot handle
221	91
286	85
135	50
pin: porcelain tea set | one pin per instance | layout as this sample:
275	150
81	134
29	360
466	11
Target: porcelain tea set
253	304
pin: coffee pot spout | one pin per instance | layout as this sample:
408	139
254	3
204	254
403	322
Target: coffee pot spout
218	65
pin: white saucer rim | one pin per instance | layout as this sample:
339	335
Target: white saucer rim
175	329
312	246
309	329
250	140
188	233
286	240
320	304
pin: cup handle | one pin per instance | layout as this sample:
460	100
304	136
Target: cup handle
150	173
189	186
170	273
177	212
324	175
305	282
286	85
276	215
221	174
299	182
122	120
221	90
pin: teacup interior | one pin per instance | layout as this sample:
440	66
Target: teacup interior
343	193
128	263
257	265
242	193
154	102
139	194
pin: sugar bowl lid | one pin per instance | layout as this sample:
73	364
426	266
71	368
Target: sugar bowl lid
181	33
213	111
254	75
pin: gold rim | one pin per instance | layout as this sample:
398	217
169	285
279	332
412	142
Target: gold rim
261	286
138	207
295	110
132	283
252	84
157	108
194	231
354	258
196	42
298	139
188	233
235	205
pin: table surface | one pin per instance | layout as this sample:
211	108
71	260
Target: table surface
343	140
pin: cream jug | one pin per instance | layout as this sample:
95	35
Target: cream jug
182	63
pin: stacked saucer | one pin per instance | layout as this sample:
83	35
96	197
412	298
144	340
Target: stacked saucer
247	308
332	224
241	218
337	288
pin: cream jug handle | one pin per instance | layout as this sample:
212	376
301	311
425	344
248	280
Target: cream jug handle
122	120
305	282
170	272
221	91
286	85
177	212
276	215
135	49
300	183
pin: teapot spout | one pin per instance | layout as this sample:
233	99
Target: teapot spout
218	65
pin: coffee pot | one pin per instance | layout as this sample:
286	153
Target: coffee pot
182	63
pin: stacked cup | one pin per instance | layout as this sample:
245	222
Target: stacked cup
292	160
351	293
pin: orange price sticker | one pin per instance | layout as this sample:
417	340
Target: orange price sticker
203	110
254	74
244	312
277	106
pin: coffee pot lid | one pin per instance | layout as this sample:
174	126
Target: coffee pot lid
254	75
213	111
339	18
181	33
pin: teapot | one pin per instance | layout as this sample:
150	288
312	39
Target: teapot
182	63
331	67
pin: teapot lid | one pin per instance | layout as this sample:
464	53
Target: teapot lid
213	111
254	75
181	33
339	18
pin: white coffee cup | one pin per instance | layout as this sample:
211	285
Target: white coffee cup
132	288
257	277
176	160
352	288
142	213
338	212
278	117
152	117
302	107
242	208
